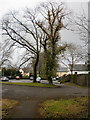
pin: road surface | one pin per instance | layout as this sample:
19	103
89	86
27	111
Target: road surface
30	97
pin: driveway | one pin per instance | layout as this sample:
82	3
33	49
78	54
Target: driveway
30	97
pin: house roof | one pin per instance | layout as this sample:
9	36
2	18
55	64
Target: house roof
62	69
79	67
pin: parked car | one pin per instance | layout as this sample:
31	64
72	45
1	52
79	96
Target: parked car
17	77
3	78
10	77
31	78
38	79
53	79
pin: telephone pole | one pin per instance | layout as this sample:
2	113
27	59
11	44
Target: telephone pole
89	36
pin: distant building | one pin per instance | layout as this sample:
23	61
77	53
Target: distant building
24	72
62	71
79	68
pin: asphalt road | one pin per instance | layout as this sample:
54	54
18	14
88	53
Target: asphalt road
27	80
30	97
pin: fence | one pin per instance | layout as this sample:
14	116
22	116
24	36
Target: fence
79	79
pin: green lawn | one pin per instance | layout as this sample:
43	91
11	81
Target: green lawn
65	108
30	84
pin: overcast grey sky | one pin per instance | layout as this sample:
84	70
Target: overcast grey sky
75	5
6	5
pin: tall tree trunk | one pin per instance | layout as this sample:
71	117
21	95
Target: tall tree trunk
50	80
48	68
35	68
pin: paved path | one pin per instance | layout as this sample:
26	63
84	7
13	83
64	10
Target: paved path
30	97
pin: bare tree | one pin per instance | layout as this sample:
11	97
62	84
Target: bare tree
83	27
5	56
72	55
20	30
51	23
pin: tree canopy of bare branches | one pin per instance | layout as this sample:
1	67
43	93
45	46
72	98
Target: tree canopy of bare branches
35	29
72	56
22	32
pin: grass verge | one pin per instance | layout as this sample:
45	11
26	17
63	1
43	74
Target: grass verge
65	108
31	84
7	105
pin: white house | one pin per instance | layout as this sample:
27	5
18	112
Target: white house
24	73
79	68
